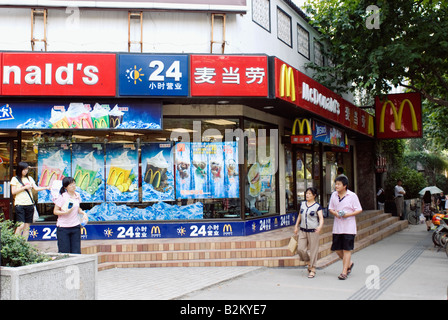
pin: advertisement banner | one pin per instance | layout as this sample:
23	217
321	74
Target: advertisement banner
157	171
80	115
88	171
295	87
58	74
53	164
399	116
229	76
207	170
152	75
328	134
122	172
192	230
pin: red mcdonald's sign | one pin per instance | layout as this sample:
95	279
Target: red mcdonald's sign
399	116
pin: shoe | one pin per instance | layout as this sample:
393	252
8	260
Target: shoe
342	276
349	270
311	274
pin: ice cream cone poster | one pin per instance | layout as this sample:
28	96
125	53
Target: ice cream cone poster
217	167
157	171
231	170
122	174
182	158
88	171
53	163
200	170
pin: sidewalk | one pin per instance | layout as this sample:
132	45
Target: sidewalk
403	266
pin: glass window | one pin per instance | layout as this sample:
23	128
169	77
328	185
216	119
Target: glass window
261	151
289	185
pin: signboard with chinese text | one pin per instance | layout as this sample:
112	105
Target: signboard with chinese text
58	74
399	116
152	75
229	76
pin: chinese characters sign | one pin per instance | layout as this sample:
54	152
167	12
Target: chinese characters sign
153	75
237	76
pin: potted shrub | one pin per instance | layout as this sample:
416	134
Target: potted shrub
27	274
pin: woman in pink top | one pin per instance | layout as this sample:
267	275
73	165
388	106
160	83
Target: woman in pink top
67	209
344	206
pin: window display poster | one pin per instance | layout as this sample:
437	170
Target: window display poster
122	172
157	171
207	170
54	163
88	171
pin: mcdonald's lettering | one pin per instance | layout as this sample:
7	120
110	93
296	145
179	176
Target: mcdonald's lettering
315	97
302	137
287	82
408	127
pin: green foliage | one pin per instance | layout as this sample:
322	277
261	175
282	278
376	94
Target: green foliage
15	250
413	182
408	49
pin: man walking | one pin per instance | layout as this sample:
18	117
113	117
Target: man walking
399	198
344	206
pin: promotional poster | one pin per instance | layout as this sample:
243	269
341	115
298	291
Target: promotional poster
122	172
54	163
88	171
157	171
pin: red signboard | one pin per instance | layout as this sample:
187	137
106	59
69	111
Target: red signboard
58	74
399	116
297	88
229	76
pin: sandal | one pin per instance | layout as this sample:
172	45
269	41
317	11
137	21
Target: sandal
342	276
311	274
349	270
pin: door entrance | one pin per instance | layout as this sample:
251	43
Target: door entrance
6	174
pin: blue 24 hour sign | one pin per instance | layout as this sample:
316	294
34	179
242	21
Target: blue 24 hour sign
153	75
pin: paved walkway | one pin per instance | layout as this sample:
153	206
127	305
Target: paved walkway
401	267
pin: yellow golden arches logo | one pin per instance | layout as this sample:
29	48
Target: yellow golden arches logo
302	123
398	116
100	123
155	231
287	82
227	228
153	177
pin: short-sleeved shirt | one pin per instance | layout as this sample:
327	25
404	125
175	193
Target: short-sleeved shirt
71	219
308	215
349	203
22	198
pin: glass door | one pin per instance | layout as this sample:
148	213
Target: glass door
304	174
6	173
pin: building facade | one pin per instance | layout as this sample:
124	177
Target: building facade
194	118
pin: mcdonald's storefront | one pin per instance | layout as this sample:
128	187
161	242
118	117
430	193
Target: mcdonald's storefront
175	145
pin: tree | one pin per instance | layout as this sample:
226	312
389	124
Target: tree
408	49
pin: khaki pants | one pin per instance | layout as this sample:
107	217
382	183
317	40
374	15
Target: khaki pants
308	241
399	202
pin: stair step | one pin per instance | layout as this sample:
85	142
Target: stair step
268	253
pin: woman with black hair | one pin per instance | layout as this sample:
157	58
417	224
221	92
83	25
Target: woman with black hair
67	207
308	226
21	186
426	205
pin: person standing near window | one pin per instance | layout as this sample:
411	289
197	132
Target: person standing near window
21	186
67	207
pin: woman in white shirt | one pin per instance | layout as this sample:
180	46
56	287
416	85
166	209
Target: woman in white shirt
21	186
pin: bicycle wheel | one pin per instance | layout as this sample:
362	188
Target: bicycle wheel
413	218
446	250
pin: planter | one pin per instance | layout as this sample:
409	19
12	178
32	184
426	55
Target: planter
71	278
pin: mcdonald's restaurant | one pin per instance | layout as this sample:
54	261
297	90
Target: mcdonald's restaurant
182	145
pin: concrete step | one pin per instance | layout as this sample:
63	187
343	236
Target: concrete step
267	249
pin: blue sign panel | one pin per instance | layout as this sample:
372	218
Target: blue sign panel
153	75
131	231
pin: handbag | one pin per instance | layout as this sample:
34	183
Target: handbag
292	246
36	213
